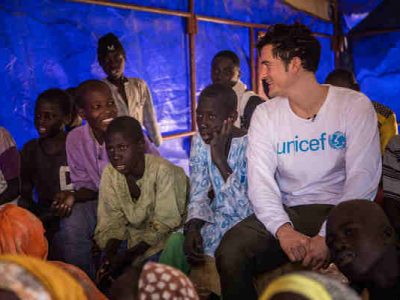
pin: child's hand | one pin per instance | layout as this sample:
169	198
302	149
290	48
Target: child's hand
62	204
219	143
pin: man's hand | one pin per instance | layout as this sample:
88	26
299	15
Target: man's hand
219	142
63	203
193	247
293	243
317	254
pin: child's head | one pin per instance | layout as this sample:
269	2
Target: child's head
125	145
52	112
225	68
358	235
342	78
216	104
96	104
111	56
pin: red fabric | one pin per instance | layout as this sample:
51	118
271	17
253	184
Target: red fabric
21	232
91	291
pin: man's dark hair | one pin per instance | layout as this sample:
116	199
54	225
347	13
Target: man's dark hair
108	43
225	95
228	54
84	87
342	78
127	126
289	41
58	97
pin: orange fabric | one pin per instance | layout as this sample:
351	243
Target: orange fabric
91	291
21	232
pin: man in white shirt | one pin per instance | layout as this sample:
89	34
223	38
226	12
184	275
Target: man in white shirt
310	148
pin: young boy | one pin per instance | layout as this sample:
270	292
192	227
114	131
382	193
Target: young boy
132	95
142	198
9	168
87	157
44	168
225	69
363	246
218	163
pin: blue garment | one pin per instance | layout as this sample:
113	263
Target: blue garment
230	204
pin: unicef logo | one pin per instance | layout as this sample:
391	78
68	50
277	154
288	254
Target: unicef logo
337	140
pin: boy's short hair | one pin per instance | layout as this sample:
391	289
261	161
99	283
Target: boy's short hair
58	97
108	43
343	78
289	41
225	94
84	87
228	54
126	125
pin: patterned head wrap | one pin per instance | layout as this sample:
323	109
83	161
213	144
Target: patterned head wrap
310	285
158	281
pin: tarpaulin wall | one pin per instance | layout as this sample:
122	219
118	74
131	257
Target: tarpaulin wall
47	44
377	67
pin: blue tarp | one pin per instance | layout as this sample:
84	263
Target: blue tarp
48	44
377	67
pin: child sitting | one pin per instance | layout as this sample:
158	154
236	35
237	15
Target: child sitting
44	168
363	246
87	158
9	168
218	163
142	198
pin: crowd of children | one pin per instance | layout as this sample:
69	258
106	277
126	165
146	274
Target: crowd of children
93	211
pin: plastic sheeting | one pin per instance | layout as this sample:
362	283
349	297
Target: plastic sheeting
377	67
48	44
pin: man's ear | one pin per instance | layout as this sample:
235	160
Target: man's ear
81	113
233	116
295	64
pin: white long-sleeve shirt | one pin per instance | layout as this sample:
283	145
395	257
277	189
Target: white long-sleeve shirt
331	158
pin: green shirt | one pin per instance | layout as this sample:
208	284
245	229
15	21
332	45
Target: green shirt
160	209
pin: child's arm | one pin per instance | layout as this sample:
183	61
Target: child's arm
27	171
149	116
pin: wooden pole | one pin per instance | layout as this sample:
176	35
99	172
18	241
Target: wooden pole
253	68
192	30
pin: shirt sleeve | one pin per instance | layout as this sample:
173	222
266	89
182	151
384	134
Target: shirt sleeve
234	190
363	161
9	156
111	223
79	175
391	169
200	183
27	172
264	192
170	205
149	116
388	130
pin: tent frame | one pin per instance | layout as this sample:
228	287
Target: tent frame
192	30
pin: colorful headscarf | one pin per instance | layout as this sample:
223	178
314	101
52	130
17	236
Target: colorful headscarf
21	232
311	285
158	281
32	278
